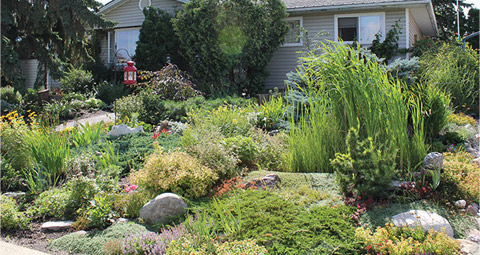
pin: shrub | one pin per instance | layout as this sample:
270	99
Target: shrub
244	147
454	70
460	177
128	106
387	47
77	80
128	204
271	150
170	83
152	109
82	190
10	216
177	172
84	135
151	243
405	70
365	168
245	247
108	92
404	240
52	203
229	120
82	164
10	178
100	213
9	95
461	119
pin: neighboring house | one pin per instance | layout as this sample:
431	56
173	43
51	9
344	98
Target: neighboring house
323	19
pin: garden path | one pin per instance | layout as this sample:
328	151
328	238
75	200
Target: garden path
92	118
12	249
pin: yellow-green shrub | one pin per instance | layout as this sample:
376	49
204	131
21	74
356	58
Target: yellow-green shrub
461	119
128	205
176	172
406	241
10	216
460	176
245	247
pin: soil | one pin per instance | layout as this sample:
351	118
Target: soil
33	238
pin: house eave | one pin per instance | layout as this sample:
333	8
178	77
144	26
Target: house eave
112	5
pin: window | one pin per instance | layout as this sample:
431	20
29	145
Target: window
294	34
126	43
362	28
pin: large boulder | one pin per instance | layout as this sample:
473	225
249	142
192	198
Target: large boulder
123	129
163	208
427	220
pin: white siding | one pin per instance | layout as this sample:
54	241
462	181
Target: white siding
29	70
414	30
285	59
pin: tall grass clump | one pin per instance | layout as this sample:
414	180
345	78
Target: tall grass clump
348	89
85	135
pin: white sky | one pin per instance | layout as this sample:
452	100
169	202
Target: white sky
476	3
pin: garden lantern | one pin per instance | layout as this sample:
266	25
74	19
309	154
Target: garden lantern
130	73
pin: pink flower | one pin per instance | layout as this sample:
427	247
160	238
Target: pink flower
130	188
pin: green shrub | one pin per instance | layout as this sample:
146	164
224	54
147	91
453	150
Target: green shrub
405	70
460	177
10	216
84	135
100	213
9	95
128	106
176	172
244	247
271	150
405	240
82	190
461	119
128	205
454	70
108	92
170	83
244	147
93	104
81	164
77	80
365	168
152	108
52	203
10	178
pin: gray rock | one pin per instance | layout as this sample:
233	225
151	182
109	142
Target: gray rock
123	129
14	195
55	226
395	185
468	247
81	232
474	236
268	181
461	203
426	220
473	209
122	220
162	208
433	161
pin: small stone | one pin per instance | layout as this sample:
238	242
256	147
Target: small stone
474	236
468	247
123	129
122	220
427	220
55	226
433	161
401	184
163	208
473	209
81	232
14	195
461	203
268	181
477	161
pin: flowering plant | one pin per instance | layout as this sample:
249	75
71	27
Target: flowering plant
130	188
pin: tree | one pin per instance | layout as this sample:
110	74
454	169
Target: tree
52	31
229	43
157	41
446	15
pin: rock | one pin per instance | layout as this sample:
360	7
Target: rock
268	181
477	160
122	220
468	247
461	204
433	161
81	232
55	226
401	185
162	208
473	209
123	129
426	220
474	236
14	195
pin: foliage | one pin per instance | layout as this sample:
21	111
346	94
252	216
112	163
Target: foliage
11	178
77	80
366	169
128	106
454	70
244	147
10	216
229	120
54	32
270	113
348	89
109	160
388	48
85	135
157	44
170	83
446	16
271	150
82	190
9	95
94	242
405	69
405	240
81	164
461	119
460	177
151	109
177	172
241	38
244	247
426	45
151	243
128	204
52	203
100	213
108	92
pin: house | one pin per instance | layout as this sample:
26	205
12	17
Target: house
324	20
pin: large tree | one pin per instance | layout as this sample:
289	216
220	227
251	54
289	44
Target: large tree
52	31
446	14
229	43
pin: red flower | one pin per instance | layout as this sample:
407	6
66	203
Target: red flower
156	135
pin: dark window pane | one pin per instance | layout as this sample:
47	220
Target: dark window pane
347	29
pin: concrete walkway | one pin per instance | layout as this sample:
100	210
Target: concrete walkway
12	249
101	116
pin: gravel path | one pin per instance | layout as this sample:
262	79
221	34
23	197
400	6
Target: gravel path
92	118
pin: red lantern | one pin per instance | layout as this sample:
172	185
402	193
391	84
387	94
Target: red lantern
130	73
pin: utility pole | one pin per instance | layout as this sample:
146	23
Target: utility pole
458	21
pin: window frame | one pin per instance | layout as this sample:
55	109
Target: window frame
359	15
116	48
300	43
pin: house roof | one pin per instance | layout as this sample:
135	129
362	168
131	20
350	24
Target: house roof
340	4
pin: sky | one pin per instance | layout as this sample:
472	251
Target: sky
475	2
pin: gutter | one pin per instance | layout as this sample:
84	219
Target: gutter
357	6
